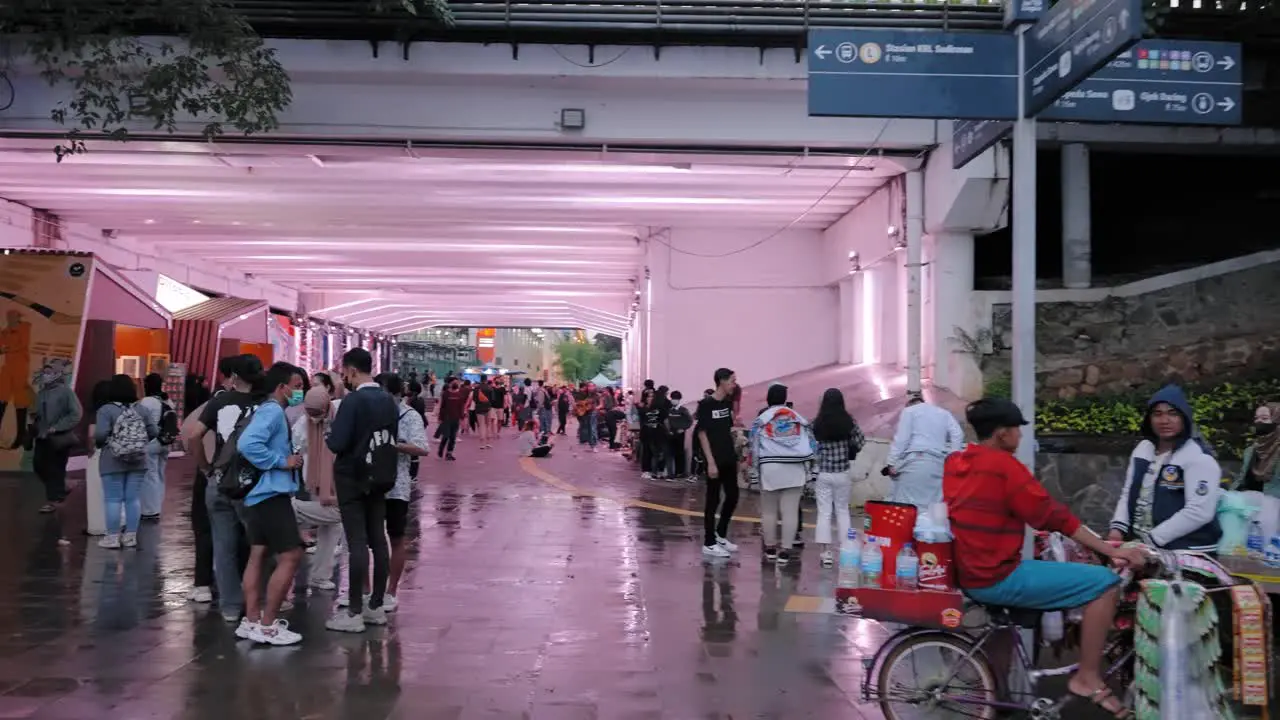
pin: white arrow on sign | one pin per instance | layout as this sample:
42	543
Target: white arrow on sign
822	52
1227	63
1226	104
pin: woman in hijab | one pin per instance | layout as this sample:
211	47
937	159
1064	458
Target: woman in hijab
1261	468
321	506
57	414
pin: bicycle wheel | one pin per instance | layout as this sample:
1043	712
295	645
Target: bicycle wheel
930	660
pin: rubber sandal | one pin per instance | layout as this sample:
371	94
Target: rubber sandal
1099	697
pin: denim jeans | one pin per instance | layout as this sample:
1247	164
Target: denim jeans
225	523
589	429
544	420
153	486
121	491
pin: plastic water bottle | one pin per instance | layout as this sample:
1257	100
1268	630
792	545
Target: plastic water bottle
907	571
1271	555
1255	541
872	562
850	560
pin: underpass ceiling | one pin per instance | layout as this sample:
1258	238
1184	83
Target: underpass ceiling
405	239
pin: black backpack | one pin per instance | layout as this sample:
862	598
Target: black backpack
233	475
168	424
377	465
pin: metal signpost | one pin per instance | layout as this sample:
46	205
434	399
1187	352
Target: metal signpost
858	72
1183	82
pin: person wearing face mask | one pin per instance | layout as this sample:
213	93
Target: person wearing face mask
270	523
321	509
58	413
1260	470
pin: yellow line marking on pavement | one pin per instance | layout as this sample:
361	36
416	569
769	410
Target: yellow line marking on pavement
530	467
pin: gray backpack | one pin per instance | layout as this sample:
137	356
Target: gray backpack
128	439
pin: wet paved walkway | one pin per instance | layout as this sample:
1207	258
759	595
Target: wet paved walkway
522	600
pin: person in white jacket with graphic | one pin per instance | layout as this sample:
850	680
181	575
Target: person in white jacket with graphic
1173	483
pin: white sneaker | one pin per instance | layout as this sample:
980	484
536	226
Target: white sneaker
343	621
344	600
373	616
322	584
828	558
646	476
716	551
277	634
247	629
129	540
724	543
110	542
390	603
200	595
286	606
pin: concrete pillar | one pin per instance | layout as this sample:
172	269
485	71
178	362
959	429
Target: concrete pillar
848	319
951	278
1077	264
915	239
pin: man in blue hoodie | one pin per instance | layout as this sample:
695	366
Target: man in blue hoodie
270	523
1172	486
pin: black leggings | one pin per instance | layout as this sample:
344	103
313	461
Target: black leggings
728	480
564	419
364	520
202	531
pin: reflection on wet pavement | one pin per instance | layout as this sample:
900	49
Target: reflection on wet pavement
521	600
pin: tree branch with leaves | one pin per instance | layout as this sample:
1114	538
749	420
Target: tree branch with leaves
160	62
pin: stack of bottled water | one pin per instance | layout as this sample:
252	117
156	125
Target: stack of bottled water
850	561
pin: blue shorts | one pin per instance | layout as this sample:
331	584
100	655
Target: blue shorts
1043	585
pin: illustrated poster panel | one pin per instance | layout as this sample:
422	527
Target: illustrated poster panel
42	300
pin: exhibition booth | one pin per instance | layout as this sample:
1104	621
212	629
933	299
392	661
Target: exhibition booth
220	327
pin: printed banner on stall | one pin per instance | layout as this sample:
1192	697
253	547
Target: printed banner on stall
42	298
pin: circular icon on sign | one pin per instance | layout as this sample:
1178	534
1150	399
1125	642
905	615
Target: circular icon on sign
870	53
76	270
846	52
1202	62
1202	103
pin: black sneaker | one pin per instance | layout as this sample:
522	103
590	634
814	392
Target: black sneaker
799	543
770	554
784	557
450	457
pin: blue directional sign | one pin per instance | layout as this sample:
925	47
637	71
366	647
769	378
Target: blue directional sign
969	138
857	72
1022	12
1160	81
1073	40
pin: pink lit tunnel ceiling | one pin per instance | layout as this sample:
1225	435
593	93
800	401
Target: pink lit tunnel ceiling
397	240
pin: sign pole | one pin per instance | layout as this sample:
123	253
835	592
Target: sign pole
1024	261
1023	382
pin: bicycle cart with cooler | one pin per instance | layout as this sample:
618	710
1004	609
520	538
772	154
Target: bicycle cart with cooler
954	657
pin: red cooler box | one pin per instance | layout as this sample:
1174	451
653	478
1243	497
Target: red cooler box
894	523
921	609
937	566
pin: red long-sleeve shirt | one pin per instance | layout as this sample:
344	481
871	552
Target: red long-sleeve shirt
990	498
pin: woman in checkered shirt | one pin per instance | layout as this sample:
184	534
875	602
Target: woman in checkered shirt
839	440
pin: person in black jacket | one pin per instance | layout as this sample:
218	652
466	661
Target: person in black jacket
368	412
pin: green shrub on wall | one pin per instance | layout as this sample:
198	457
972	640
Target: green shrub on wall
1222	412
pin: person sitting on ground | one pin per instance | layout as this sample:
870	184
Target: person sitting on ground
1172	487
991	497
533	446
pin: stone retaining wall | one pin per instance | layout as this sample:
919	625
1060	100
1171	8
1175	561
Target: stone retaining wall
1212	329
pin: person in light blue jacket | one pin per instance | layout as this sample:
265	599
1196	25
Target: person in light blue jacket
266	443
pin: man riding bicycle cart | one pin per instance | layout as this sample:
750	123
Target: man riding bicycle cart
1172	492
